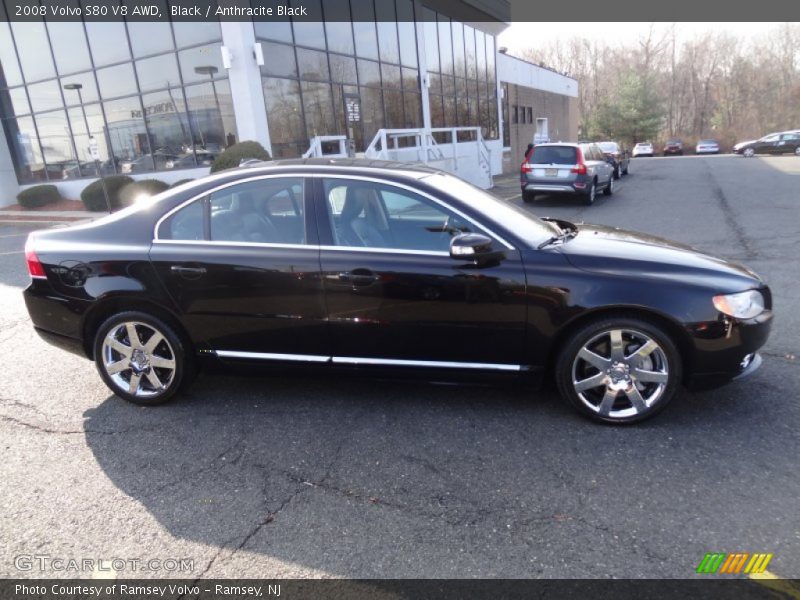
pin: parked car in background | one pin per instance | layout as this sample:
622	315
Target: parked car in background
707	147
739	147
787	142
619	155
559	168
643	149
370	266
204	159
673	148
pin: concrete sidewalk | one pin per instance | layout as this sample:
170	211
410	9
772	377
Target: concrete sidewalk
48	216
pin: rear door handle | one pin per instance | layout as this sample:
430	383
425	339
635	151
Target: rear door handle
359	277
188	272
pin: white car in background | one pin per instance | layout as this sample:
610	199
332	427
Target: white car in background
643	149
707	147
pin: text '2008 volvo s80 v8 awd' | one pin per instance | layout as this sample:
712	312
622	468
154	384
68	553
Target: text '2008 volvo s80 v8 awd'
388	266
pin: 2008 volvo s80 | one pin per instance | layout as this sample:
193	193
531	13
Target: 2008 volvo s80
375	266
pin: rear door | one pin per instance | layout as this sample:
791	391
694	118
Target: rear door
242	265
788	143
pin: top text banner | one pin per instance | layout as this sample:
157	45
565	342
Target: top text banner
496	11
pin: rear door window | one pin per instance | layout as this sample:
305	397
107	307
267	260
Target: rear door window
553	155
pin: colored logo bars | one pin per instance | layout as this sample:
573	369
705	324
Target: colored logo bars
734	563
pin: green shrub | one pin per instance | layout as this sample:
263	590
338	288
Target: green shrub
143	187
92	195
38	195
235	154
180	182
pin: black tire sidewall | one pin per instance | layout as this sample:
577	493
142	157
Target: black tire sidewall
566	356
178	348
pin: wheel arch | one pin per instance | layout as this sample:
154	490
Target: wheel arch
106	307
671	327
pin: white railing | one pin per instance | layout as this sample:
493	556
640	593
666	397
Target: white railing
315	149
460	150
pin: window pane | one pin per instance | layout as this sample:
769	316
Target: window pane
313	65
371	112
25	148
343	69
127	135
387	31
411	79
202	58
278	60
490	69
480	40
391	76
274	30
408	38
45	96
211	118
338	27
196	32
309	33
318	107
284	112
186	224
150	37
69	47
56	143
94	120
108	42
34	50
458	49
158	72
168	127
393	103
437	111
369	73
472	61
268	211
364	29
10	73
88	89
116	81
14	102
445	45
431	33
413	110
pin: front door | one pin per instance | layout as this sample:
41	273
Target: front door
394	294
242	266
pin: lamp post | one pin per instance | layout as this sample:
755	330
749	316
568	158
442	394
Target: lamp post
92	144
211	70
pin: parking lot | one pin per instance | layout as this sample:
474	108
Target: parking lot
276	477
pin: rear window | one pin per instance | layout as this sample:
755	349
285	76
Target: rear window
708	141
608	147
553	155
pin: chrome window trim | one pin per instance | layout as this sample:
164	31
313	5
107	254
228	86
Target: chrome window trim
418	192
353	360
387	250
222	187
240	244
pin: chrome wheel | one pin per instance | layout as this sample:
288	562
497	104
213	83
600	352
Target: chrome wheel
749	152
797	151
620	373
138	359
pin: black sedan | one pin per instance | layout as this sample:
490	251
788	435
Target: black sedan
349	264
787	142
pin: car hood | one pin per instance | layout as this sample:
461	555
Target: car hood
602	249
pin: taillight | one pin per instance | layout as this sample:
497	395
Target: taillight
579	168
525	168
35	267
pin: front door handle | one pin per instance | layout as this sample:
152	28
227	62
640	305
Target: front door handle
359	277
188	272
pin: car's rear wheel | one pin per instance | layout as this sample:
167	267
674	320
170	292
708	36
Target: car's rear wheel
627	168
528	196
589	197
748	153
618	370
609	189
141	358
797	151
618	171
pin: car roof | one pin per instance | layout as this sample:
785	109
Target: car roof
415	170
570	144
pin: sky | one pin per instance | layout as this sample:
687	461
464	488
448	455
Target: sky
520	36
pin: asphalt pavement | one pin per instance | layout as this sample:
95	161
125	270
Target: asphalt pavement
278	477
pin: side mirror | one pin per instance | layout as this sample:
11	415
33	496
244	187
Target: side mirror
473	247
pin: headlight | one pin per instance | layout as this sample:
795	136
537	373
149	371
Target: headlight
744	305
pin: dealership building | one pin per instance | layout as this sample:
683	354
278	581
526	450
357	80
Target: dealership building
406	81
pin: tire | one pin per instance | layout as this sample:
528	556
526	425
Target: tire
604	385
627	168
528	197
797	151
609	189
748	153
118	360
589	196
617	171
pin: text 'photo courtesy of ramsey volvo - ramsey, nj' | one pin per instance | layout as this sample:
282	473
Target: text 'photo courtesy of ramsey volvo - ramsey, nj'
379	266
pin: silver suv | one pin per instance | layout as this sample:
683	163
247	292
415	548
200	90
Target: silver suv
579	169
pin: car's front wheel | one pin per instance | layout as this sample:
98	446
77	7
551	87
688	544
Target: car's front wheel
748	153
618	370
141	358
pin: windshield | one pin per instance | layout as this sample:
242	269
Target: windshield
553	155
525	225
608	146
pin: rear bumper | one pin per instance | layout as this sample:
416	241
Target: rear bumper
58	320
548	188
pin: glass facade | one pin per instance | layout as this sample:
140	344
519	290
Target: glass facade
153	95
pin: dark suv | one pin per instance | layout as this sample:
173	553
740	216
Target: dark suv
566	168
673	147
